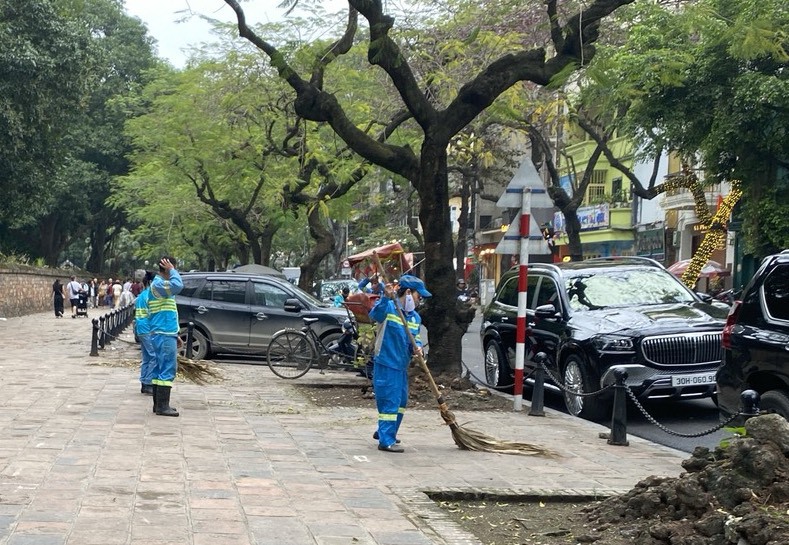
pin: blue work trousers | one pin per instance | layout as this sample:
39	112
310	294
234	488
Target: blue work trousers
391	397
166	349
148	366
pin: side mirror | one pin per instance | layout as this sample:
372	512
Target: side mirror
546	312
706	297
292	305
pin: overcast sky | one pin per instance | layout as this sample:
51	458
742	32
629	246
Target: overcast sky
162	16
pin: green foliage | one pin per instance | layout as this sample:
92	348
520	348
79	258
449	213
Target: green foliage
710	80
735	431
766	226
45	62
72	63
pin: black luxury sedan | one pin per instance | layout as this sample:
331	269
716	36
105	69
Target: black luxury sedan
756	341
593	315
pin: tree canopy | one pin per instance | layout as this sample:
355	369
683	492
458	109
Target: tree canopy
709	81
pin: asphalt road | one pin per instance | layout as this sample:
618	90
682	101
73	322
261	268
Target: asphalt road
681	417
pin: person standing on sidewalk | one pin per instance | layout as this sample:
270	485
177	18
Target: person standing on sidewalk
163	316
57	292
393	351
142	328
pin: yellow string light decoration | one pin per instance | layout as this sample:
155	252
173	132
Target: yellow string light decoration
716	224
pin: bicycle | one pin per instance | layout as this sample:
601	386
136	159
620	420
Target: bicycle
291	352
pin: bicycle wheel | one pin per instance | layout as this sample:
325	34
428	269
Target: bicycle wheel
290	354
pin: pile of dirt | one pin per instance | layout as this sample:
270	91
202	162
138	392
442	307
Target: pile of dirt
736	495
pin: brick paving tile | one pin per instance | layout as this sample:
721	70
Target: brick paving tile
84	461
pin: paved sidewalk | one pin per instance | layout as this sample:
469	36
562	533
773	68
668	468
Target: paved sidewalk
84	461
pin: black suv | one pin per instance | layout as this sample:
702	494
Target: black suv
592	315
756	341
240	312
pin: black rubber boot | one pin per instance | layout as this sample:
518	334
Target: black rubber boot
164	409
155	397
146	389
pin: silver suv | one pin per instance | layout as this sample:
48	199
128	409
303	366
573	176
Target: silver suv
238	313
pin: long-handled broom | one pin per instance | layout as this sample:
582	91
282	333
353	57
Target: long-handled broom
465	438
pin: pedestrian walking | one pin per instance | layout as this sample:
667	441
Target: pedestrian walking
142	328
163	316
73	288
93	293
58	297
117	290
393	355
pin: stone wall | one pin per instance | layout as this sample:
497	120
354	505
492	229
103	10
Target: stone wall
28	290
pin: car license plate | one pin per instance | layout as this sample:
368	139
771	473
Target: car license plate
697	379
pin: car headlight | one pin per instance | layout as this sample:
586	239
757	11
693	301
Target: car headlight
612	343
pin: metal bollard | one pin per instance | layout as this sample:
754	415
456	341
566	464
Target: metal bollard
102	338
750	404
538	391
189	329
114	323
110	334
619	415
94	338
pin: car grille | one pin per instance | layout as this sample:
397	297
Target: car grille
688	349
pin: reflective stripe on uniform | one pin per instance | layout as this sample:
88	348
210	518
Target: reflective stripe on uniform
158	305
387	417
165	292
394	318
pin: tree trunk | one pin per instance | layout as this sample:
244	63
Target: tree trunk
323	235
440	316
47	242
266	241
98	241
463	220
573	231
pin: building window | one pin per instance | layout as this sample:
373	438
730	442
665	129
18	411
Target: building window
484	221
595	193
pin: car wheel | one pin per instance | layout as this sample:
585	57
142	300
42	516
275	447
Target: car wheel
776	401
577	379
497	370
200	345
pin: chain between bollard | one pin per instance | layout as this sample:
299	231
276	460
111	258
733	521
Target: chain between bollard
561	386
660	426
484	383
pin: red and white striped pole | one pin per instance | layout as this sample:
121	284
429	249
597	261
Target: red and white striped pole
523	274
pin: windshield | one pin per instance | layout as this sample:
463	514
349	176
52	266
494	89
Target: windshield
623	288
334	287
308	296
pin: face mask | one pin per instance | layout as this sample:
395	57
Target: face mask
409	305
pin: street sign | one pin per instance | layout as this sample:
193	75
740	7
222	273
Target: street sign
525	179
510	242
